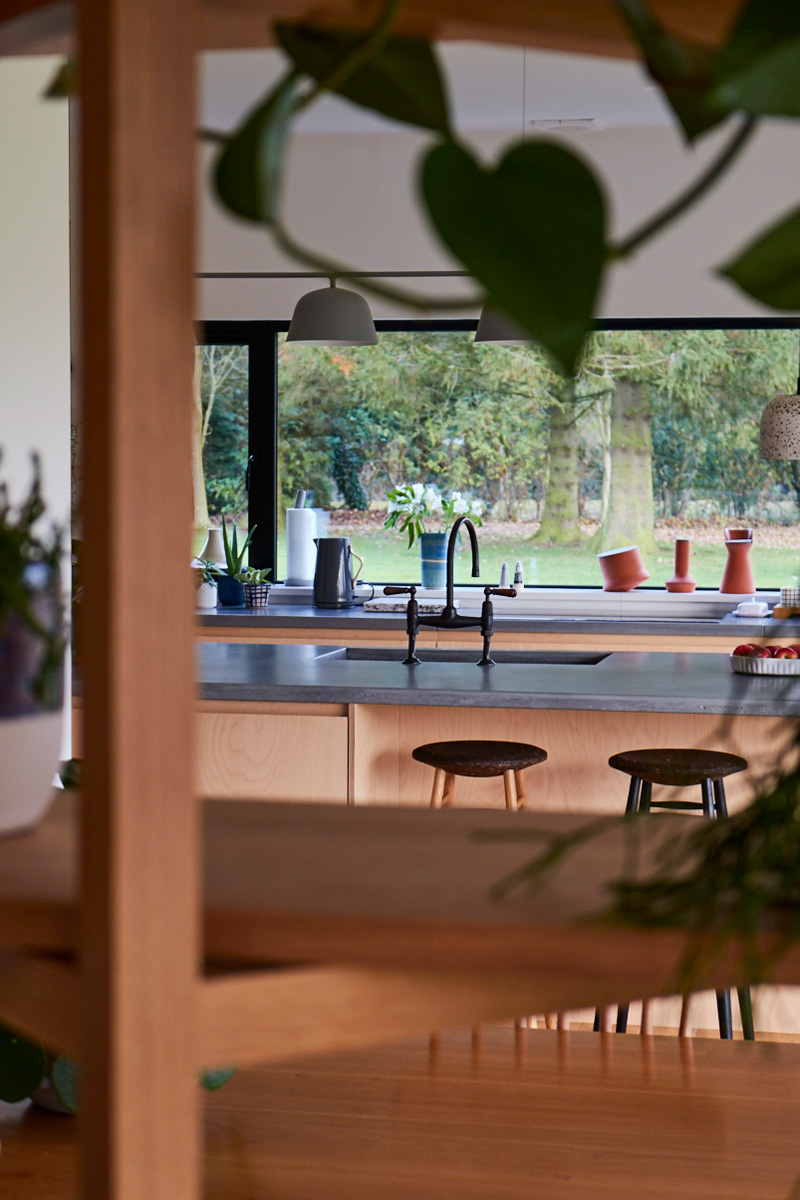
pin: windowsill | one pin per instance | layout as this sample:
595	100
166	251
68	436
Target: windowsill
573	602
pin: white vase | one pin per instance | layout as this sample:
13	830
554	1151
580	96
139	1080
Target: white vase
214	549
207	595
29	749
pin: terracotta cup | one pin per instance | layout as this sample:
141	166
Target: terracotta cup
738	535
622	569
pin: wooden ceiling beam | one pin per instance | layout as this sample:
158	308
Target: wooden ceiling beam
577	26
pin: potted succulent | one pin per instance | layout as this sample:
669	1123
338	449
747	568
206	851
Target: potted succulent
255	586
229	587
411	506
207	584
31	658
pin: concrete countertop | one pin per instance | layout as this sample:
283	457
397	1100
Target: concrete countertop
305	616
621	682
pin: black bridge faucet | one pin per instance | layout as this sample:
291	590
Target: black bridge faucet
449	618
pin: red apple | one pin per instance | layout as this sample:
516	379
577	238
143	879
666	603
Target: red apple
771	648
797	648
745	650
761	652
786	652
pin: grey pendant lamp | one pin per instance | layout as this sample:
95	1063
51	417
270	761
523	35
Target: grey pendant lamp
496	327
779	428
332	316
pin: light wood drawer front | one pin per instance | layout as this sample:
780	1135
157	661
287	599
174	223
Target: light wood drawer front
253	757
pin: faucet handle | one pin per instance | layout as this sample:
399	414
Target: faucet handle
391	590
498	591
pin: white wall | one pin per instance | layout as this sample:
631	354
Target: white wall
34	282
352	196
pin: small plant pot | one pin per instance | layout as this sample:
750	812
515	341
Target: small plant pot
229	592
207	595
256	595
623	569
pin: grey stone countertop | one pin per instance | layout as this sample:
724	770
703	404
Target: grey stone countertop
620	681
305	616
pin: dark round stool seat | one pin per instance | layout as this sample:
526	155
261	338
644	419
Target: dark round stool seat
677	768
478	758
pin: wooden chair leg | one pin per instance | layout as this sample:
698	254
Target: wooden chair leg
511	790
522	795
647	1018
449	790
439	777
685	1029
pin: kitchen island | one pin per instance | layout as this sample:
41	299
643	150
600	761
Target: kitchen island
338	724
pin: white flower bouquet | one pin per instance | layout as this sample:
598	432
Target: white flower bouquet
411	505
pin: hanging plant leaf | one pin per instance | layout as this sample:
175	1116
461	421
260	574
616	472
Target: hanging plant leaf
247	173
22	1067
682	69
531	231
769	268
759	69
213	1080
402	80
65	1078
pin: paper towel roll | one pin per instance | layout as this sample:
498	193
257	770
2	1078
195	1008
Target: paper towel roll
301	553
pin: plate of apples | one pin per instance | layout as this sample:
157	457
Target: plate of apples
752	659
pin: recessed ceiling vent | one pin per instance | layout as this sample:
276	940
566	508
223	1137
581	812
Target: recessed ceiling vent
567	125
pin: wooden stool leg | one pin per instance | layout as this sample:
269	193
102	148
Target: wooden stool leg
606	1019
449	790
746	1009
684	1030
563	1022
439	777
511	790
719	798
551	1020
646	796
647	1018
708	799
522	795
724	1014
634	788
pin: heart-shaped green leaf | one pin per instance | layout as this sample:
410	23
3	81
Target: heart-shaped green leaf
22	1067
769	268
531	231
759	69
682	69
402	80
65	1078
247	173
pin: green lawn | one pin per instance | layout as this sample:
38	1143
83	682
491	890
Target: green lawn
386	559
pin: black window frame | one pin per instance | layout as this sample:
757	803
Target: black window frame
261	338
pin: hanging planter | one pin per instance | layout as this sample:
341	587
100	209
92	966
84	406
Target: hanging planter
31	661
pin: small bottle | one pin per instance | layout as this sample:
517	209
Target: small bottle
518	584
504	575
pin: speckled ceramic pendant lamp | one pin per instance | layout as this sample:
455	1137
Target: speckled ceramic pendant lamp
779	430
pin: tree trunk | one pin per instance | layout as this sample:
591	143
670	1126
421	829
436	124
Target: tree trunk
630	517
198	439
560	525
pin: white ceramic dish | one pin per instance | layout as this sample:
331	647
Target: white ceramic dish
764	666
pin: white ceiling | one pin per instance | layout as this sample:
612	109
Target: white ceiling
490	88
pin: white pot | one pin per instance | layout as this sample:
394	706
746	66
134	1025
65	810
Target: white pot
207	595
29	749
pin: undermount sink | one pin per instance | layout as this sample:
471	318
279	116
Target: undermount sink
527	658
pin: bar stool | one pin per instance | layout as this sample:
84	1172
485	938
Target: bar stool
479	759
705	769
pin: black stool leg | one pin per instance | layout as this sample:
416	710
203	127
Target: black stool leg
633	796
708	799
719	798
646	796
622	1018
724	1014
746	1009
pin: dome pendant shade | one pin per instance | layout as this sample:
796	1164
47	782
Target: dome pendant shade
496	327
779	429
332	316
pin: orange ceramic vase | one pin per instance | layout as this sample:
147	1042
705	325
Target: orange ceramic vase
737	578
681	581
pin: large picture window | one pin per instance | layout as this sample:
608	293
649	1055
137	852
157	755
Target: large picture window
656	439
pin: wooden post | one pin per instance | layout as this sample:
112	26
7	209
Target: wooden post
139	942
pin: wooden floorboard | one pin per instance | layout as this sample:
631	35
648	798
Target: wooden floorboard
522	1114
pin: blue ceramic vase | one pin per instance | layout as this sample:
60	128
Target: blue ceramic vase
433	556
